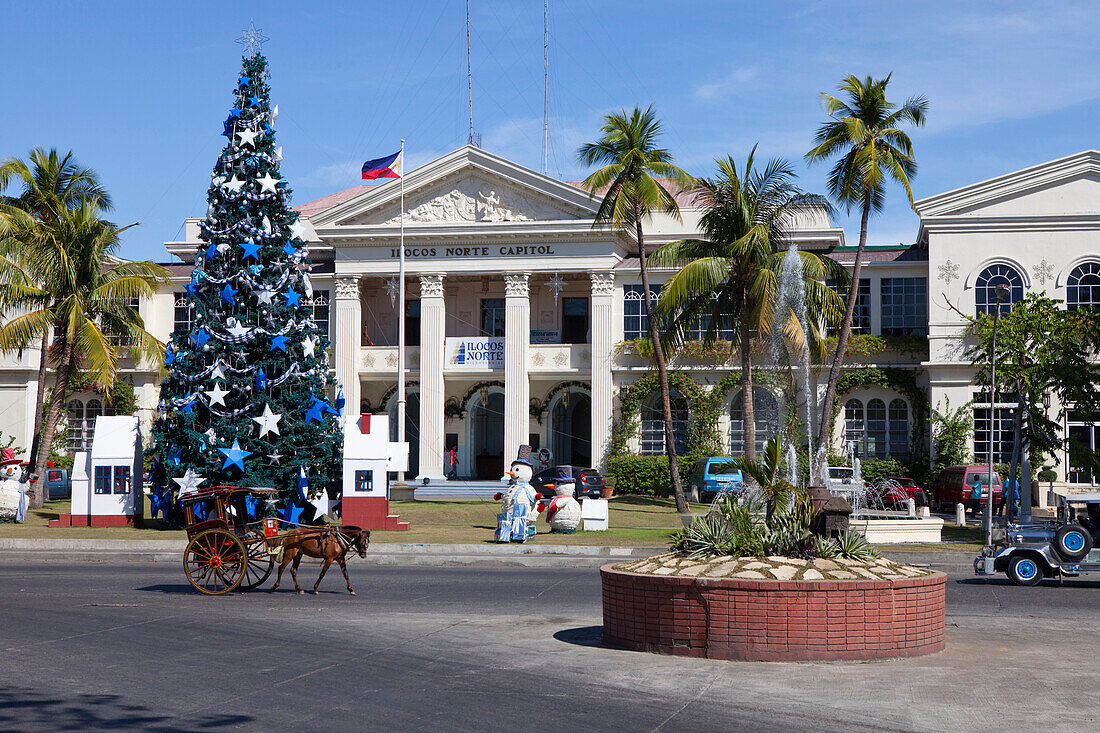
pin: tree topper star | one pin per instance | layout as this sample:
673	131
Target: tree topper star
252	39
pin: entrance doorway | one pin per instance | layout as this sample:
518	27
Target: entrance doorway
571	430
486	430
412	429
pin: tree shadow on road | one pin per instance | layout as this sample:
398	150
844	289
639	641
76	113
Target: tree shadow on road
170	589
591	636
1046	583
24	709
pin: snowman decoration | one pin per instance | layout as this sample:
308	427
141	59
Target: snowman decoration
13	498
564	513
519	505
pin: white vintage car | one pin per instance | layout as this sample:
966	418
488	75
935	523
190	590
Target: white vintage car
1062	547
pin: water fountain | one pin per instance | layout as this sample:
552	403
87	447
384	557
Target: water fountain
791	301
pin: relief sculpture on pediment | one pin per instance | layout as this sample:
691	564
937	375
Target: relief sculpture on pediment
473	200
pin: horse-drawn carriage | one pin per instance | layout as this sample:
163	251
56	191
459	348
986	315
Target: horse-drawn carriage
231	544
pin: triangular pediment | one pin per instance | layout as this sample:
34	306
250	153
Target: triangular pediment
465	187
1067	186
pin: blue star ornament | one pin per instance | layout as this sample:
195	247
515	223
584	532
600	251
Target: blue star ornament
169	356
254	101
191	288
187	406
292	514
228	293
251	249
292	296
261	378
175	454
340	403
290	249
234	456
211	251
200	337
227	127
316	409
235	113
244	81
279	342
159	503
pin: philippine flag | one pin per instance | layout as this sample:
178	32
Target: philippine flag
387	167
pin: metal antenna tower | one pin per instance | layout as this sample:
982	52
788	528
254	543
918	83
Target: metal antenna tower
469	75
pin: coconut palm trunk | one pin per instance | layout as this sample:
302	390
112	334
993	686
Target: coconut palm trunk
748	427
57	399
39	399
825	422
662	373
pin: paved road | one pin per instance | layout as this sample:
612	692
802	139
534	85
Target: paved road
130	646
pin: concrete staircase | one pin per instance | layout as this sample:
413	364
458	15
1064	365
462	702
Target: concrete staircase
459	490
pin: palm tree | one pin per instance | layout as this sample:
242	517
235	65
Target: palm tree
70	282
864	130
767	473
51	184
631	165
732	276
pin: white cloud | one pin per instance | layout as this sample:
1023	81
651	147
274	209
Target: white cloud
738	79
336	176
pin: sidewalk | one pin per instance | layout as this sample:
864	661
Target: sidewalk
531	554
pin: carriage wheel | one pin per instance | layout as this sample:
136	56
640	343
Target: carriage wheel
215	562
259	564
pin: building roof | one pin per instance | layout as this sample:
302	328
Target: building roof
890	253
311	208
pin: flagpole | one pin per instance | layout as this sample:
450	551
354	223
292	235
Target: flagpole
401	319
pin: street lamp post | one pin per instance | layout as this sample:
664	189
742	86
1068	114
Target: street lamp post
1002	293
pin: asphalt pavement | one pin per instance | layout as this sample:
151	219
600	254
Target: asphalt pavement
123	646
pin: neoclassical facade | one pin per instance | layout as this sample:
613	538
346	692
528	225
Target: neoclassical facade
522	317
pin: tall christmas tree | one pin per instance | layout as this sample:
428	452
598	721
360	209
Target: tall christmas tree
247	399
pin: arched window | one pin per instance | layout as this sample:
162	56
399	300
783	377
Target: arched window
74	419
653	424
876	429
1083	286
765	416
855	429
991	278
898	446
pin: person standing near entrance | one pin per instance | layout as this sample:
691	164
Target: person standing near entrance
452	473
976	495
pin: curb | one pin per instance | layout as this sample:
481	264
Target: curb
381	553
394	553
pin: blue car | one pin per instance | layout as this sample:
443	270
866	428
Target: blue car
712	476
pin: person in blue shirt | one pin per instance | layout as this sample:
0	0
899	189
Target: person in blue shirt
1009	495
976	495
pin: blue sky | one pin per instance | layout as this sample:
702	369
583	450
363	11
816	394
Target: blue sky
138	90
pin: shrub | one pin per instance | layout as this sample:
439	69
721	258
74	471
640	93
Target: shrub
854	546
824	547
646	475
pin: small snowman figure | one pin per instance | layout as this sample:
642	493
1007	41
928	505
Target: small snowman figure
519	505
564	513
13	497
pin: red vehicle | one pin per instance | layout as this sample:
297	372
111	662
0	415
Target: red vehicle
907	488
956	485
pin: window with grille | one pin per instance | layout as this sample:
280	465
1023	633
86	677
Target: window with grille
904	306
765	407
993	431
653	424
875	430
364	480
861	315
635	322
183	315
992	278
492	317
1083	286
103	479
320	310
122	479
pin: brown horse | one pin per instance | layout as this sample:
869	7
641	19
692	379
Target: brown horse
330	544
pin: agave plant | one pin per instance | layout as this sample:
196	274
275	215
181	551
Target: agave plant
854	546
824	547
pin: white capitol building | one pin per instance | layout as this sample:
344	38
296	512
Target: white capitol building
520	314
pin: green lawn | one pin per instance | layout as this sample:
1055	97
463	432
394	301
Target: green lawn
635	521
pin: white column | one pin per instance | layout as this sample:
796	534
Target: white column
347	338
517	340
433	314
603	302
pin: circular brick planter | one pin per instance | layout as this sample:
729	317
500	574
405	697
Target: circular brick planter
773	620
